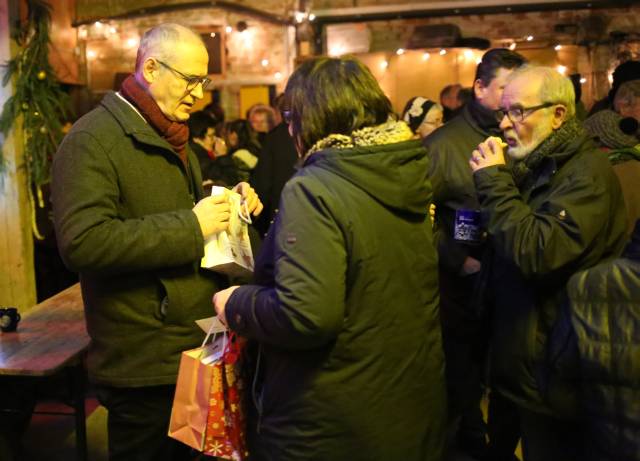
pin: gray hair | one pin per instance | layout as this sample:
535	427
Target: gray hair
627	93
555	87
160	42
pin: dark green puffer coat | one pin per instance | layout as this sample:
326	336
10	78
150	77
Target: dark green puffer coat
346	311
122	203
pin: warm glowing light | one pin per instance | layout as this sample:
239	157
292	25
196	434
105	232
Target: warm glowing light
312	17
478	61
400	51
562	69
384	64
299	16
112	30
468	54
91	54
97	25
132	42
337	50
278	75
82	33
264	62
583	80
610	77
229	29
512	46
529	38
212	35
443	52
426	56
557	47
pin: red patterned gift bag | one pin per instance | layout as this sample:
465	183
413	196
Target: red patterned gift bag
226	424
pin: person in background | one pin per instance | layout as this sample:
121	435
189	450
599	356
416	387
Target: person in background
581	111
449	100
351	363
625	72
276	165
619	138
464	96
124	185
464	329
592	374
262	119
556	210
216	166
423	116
627	99
244	147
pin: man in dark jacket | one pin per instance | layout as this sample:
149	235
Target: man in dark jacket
593	354
464	332
559	210
124	188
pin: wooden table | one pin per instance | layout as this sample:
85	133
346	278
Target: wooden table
51	337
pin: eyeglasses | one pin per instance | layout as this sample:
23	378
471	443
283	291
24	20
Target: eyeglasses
518	114
192	80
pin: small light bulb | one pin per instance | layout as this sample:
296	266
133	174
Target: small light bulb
426	56
529	38
264	62
561	69
443	52
98	25
512	46
312	17
583	80
400	51
278	75
557	47
468	54
229	29
212	35
384	64
91	54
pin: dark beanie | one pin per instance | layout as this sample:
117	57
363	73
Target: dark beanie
415	111
628	70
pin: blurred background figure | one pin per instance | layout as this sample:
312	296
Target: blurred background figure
627	99
216	166
618	137
464	96
262	119
276	165
449	100
581	111
244	147
625	72
423	116
214	109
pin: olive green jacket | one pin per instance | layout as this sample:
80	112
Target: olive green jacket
122	203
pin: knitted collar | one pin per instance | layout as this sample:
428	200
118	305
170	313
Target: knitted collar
555	143
388	133
175	133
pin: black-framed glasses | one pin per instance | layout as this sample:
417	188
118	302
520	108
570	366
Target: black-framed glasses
518	114
192	80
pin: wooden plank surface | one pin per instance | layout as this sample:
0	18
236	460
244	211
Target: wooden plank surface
49	336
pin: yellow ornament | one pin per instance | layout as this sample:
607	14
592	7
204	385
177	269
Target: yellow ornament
43	129
42	75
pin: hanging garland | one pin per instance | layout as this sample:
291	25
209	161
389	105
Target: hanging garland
38	100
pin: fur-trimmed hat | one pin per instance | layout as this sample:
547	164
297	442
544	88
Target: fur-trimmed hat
415	111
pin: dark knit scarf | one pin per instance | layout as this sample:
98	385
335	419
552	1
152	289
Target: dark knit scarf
175	133
570	131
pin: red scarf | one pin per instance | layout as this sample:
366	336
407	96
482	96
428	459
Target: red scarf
175	133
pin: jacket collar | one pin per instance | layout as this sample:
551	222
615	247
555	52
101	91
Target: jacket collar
132	123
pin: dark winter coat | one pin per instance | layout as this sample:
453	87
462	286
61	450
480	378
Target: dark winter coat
566	215
346	312
594	354
122	203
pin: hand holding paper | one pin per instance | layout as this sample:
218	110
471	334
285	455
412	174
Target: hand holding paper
213	214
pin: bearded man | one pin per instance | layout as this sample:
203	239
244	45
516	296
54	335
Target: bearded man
556	210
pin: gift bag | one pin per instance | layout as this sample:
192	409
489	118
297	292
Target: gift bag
190	408
208	407
229	252
226	424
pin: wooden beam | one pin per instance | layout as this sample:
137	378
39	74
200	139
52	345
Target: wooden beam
17	278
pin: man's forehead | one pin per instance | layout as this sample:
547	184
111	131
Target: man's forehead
521	90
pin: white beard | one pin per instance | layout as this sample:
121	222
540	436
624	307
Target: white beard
520	151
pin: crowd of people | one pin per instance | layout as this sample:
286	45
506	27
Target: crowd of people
376	328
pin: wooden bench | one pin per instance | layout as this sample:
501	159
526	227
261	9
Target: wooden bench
51	337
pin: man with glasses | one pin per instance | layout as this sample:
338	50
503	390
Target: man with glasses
131	218
460	248
557	210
